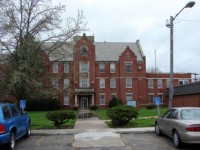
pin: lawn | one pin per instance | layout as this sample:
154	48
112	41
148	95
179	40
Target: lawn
39	121
146	117
101	113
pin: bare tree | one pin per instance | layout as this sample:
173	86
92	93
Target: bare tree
154	70
28	28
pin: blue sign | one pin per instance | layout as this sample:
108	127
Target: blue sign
157	100
22	104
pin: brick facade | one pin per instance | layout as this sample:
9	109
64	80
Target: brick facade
99	71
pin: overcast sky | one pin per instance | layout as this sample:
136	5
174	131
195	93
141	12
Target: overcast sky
129	20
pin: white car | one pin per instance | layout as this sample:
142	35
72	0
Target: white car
181	123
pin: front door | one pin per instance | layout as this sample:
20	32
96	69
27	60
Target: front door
84	103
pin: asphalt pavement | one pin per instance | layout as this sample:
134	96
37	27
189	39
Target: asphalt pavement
93	133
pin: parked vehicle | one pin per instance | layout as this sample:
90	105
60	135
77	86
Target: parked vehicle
13	125
182	124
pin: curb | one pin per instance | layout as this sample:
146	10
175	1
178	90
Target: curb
75	131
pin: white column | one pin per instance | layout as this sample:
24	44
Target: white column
92	99
76	104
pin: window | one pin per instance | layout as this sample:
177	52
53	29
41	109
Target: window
112	95
6	112
167	83
102	83
13	111
84	67
112	67
66	67
66	83
84	83
84	50
150	83
128	83
112	83
102	99
66	99
55	67
161	97
129	96
182	82
128	67
150	97
55	82
159	83
101	67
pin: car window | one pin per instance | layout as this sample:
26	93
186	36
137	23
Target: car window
172	113
6	113
13	111
190	114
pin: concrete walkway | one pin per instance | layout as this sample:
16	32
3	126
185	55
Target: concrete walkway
97	136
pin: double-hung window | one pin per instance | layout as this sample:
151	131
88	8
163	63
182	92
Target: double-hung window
128	67
128	83
55	67
112	67
102	83
101	67
84	67
112	83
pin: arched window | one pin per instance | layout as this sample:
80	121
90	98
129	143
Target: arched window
84	50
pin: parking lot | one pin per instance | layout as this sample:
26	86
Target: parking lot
132	142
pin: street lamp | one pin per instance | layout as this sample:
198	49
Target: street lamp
171	26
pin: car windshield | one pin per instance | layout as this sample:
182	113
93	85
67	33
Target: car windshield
190	114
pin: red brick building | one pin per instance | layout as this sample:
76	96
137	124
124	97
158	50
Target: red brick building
91	73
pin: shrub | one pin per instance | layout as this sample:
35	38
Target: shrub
150	106
93	107
115	102
121	115
43	104
60	116
75	108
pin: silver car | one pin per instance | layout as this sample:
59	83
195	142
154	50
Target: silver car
182	124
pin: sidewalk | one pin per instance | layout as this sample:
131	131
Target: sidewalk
94	133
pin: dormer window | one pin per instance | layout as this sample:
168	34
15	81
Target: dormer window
84	50
128	55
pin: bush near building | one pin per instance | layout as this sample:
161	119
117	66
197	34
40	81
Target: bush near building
121	115
115	102
60	117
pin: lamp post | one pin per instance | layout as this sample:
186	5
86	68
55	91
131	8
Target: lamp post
171	26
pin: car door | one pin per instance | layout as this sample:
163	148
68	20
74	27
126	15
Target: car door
18	120
169	121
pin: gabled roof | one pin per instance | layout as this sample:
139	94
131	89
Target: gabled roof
110	51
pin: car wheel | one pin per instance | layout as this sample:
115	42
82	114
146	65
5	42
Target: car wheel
157	129
176	139
11	144
28	132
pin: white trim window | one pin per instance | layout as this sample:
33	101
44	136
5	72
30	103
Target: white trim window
84	66
84	82
128	83
183	81
55	67
102	99
168	83
112	67
128	67
150	83
66	67
55	82
150	97
112	95
66	99
66	83
129	96
160	83
112	83
101	67
161	97
102	83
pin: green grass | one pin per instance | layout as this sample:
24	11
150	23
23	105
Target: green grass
101	113
39	121
141	121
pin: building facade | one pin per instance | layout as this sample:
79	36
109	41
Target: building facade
95	72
